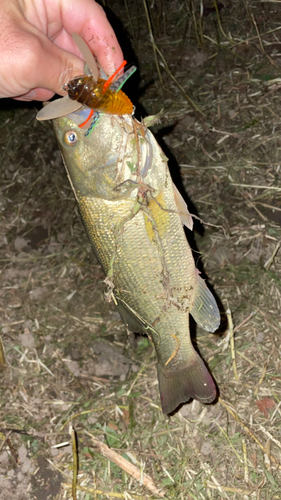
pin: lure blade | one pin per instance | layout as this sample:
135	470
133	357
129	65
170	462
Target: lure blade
87	54
58	108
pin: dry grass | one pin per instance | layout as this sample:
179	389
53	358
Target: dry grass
225	151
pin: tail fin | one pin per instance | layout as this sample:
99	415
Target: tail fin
194	381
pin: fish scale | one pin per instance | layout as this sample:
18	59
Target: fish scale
130	265
134	225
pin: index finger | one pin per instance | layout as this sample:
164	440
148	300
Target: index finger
88	19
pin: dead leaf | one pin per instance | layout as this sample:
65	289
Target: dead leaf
265	404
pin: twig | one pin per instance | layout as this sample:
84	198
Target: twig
269	436
231	338
167	69
209	223
199	36
219	22
2	357
75	460
106	494
261	44
270	260
244	321
5	440
126	466
261	378
248	432
254	186
229	489
152	41
246	470
129	15
229	442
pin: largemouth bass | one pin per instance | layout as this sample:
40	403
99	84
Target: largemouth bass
133	216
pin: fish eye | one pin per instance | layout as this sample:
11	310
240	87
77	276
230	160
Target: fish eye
70	138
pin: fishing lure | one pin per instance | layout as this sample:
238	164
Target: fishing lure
91	90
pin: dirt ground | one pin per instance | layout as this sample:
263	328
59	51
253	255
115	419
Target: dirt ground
214	70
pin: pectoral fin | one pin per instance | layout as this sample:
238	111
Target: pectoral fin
204	309
130	319
194	381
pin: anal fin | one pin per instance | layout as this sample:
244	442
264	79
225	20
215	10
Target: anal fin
204	308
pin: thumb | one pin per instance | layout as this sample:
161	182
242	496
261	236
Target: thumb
46	69
55	67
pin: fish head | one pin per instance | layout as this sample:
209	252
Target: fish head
91	153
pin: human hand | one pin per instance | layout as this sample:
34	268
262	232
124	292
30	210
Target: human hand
38	54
